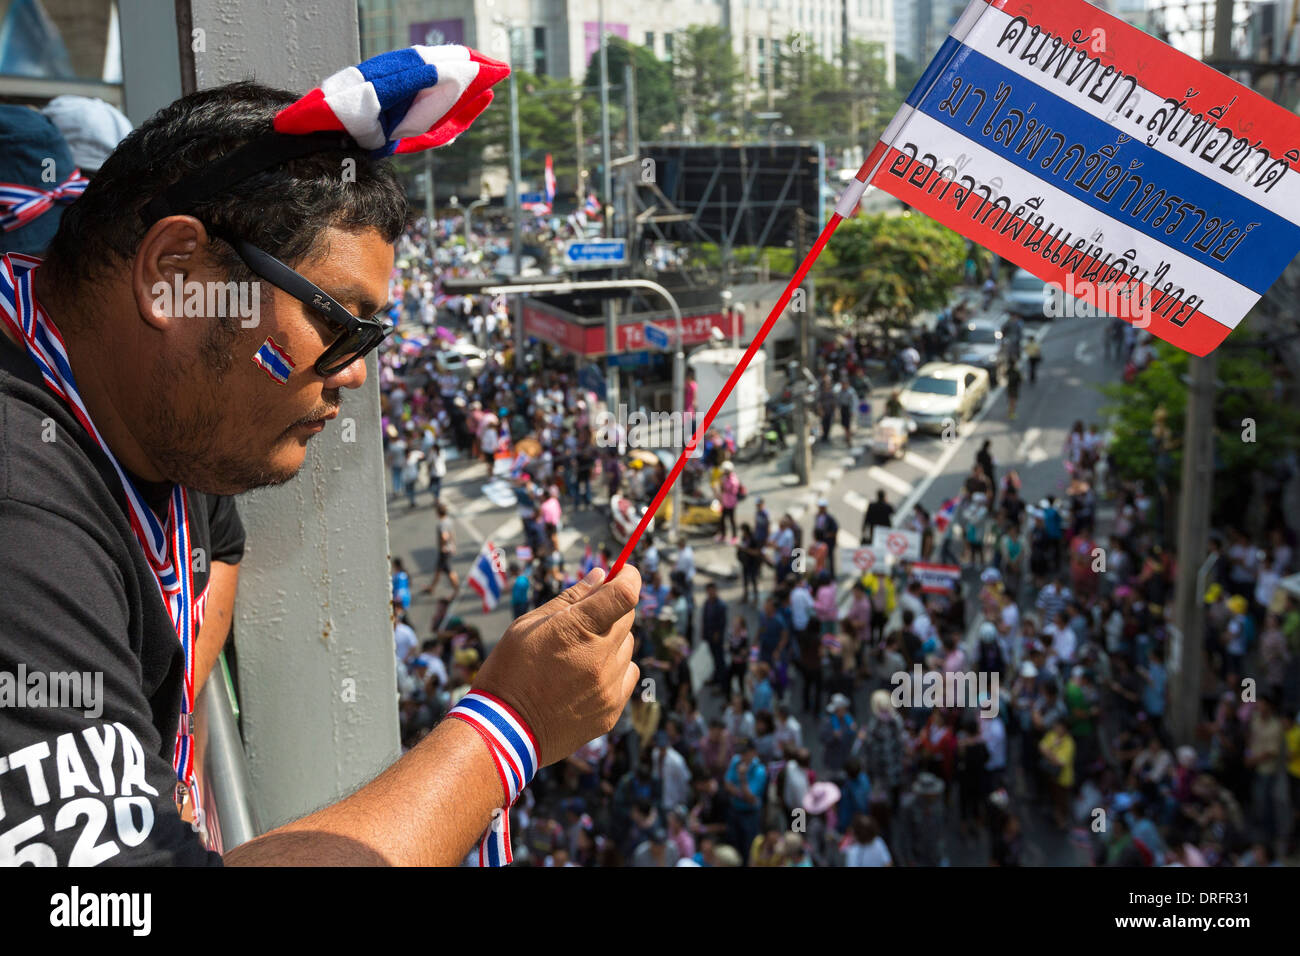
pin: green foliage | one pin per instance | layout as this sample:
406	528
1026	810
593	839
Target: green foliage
706	74
842	105
1247	392
656	96
890	267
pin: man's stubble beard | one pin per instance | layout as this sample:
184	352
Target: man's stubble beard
185	442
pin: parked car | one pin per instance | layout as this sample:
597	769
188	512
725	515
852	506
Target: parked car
1027	296
942	391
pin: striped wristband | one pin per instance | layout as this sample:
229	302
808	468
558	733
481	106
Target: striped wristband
514	752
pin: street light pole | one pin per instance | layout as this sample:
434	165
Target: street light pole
481	201
516	240
604	120
1194	503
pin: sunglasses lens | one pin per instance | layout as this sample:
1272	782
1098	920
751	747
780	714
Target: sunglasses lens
348	348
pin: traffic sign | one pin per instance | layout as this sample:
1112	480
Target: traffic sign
628	359
530	199
654	335
595	252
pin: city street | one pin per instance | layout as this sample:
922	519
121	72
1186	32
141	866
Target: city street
932	471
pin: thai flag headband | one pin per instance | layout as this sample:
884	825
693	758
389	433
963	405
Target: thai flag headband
403	101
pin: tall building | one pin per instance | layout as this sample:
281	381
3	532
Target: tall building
559	37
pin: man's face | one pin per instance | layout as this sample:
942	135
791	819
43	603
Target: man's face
222	424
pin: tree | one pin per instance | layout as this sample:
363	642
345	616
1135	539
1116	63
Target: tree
545	126
842	106
656	96
706	73
906	73
1255	427
890	267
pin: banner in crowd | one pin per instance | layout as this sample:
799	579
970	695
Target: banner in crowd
937	578
899	543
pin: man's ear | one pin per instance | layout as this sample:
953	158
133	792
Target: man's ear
170	250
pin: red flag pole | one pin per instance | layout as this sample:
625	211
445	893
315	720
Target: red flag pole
863	178
703	427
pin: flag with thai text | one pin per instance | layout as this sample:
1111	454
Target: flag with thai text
1105	162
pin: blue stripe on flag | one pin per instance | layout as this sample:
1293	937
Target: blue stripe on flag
516	742
487	574
1257	270
273	361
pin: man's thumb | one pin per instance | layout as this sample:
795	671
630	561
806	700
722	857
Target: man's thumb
584	587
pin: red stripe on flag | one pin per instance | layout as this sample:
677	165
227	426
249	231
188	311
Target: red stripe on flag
1200	335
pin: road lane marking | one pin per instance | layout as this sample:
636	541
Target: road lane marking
892	482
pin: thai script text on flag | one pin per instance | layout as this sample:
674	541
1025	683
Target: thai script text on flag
1105	162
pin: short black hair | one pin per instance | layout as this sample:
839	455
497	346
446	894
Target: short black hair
282	210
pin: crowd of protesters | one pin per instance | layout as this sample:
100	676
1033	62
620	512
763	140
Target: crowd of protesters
796	750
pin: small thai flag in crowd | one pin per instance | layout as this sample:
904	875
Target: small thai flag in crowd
520	462
832	642
274	360
593	205
523	553
550	183
488	576
588	562
943	517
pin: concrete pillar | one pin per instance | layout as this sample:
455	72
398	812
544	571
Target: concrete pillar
317	672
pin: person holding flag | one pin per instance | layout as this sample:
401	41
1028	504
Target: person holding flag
154	412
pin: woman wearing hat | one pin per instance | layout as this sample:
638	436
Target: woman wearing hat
838	733
822	798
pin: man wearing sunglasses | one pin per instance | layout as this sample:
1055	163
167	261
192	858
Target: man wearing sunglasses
118	414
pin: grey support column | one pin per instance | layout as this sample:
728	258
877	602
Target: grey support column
317	673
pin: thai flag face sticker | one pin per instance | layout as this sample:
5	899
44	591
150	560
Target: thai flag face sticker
274	360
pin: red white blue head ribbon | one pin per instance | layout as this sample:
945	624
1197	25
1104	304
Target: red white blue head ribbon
167	548
402	101
20	204
514	752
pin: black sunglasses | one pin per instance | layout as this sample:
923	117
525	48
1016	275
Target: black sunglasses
358	336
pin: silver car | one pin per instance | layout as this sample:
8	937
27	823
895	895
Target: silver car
942	392
1028	296
980	342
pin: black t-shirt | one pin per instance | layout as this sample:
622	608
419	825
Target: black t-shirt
86	780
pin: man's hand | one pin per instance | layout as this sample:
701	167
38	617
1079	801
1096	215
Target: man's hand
566	667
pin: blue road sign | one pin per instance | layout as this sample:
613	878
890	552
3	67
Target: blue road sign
629	359
604	252
529	199
656	336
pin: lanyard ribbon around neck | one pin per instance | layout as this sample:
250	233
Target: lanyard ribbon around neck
166	547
